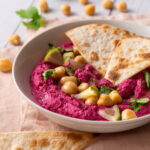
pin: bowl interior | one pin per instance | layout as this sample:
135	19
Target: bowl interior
34	51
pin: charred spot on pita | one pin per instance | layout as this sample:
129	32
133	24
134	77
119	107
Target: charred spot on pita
43	141
115	42
75	136
113	75
18	148
145	55
86	44
93	56
33	143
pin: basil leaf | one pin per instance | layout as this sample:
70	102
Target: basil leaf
104	89
34	18
147	78
47	73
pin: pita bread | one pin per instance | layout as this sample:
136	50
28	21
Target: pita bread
131	56
44	140
96	42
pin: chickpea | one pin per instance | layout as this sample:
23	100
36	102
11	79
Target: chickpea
76	52
115	97
70	87
89	9
43	6
83	86
104	100
5	65
14	39
79	59
128	114
68	78
122	6
59	72
65	9
70	54
91	100
83	2
107	4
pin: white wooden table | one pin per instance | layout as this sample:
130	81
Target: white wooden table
10	23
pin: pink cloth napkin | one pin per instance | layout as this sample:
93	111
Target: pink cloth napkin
18	115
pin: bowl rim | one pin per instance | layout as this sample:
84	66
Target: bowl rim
91	122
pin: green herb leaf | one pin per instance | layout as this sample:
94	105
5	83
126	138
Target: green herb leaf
36	23
94	88
47	73
143	83
137	108
78	81
135	103
58	86
62	51
104	89
147	78
51	45
142	101
34	19
91	80
28	13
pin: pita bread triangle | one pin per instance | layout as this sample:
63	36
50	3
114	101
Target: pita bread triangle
131	56
96	42
44	140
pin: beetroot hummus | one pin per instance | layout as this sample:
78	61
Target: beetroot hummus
49	95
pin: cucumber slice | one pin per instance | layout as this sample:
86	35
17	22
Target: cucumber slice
54	56
111	114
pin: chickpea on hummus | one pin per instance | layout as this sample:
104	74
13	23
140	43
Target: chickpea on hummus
72	87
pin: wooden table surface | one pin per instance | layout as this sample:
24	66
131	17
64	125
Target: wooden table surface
10	23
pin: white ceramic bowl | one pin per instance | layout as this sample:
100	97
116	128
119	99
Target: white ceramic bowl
32	52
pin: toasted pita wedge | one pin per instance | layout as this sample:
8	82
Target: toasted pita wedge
44	140
131	56
96	42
